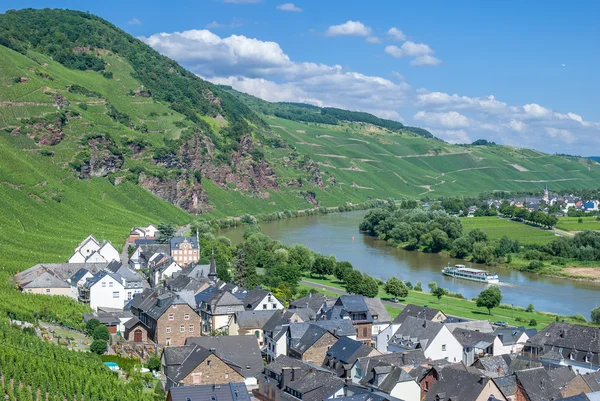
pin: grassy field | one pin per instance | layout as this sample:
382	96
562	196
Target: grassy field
573	224
451	306
496	228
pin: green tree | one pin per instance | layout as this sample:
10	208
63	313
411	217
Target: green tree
490	298
483	253
153	363
368	287
203	229
530	308
478	235
353	280
302	257
166	231
595	315
90	326
419	287
439	292
341	269
324	265
432	286
396	288
461	247
101	333
99	347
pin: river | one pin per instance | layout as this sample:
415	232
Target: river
338	234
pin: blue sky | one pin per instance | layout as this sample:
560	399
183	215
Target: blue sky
524	73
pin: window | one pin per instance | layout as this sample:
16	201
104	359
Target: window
47	290
426	385
168	329
208	362
104	284
186	316
257	334
264	306
182	329
110	283
364	334
443	347
171	316
274	305
128	294
191	328
587	358
115	294
196	378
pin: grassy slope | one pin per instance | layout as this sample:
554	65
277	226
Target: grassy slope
496	228
573	224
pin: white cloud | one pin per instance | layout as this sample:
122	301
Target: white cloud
422	53
373	39
536	111
396	34
518	126
452	136
235	23
397	75
451	119
350	28
562	134
289	7
134	21
425	60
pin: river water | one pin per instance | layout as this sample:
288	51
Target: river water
338	234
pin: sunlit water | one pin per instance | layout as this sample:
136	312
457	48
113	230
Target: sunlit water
338	234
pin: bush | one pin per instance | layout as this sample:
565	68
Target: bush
99	347
90	326
530	308
533	322
596	315
579	318
101	333
418	287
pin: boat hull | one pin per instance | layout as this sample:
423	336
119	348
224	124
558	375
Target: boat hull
477	279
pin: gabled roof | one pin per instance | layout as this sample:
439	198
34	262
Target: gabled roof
475	339
303	335
78	275
570	340
63	271
85	241
155	303
253	319
509	335
312	301
196	271
378	310
561	376
411	358
415	333
253	297
592	380
90	282
179	372
240	352
494	365
482	326
315	385
219	392
416	311
347	351
507	385
284	317
537	384
457	384
345	305
177	241
47	280
182	282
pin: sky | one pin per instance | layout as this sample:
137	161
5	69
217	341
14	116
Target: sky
520	73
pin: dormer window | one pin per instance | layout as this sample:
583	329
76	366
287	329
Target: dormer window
587	359
572	356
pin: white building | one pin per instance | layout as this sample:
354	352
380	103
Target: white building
106	290
509	341
91	251
383	337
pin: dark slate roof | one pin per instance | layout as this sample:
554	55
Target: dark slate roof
457	384
182	282
315	386
176	241
398	359
347	350
378	311
338	328
507	385
78	275
206	392
570	340
131	277
592	380
176	355
368	396
509	335
284	361
578	397
311	301
284	317
253	319
47	280
196	271
304	335
108	318
416	311
179	372
395	376
494	364
155	303
561	376
475	339
415	333
253	297
240	352
100	275
130	324
537	384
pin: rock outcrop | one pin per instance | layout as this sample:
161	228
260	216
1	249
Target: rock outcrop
103	158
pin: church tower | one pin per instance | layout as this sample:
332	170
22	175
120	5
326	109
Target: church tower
212	271
546	197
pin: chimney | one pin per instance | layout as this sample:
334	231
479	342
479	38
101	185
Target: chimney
294	370
286	376
499	370
336	331
482	379
562	333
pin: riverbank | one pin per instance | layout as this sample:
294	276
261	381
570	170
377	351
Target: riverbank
451	306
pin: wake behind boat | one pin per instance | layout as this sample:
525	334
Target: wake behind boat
467	273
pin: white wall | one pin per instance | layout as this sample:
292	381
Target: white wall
109	253
96	258
453	352
151	230
273	304
102	295
382	339
77	258
407	391
501	349
88	248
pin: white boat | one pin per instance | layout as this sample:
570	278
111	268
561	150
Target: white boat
467	273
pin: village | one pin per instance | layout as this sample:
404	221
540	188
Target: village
216	340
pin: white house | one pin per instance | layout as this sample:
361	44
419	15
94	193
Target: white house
105	289
436	341
509	341
85	249
78	280
163	269
259	299
90	251
383	337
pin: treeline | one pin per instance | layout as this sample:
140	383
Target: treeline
535	217
584	247
57	32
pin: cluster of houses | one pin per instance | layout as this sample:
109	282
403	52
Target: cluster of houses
535	203
220	341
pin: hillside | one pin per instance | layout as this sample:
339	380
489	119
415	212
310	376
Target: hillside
99	132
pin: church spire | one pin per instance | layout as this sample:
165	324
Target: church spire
212	271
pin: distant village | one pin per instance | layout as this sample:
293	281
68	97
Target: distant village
218	341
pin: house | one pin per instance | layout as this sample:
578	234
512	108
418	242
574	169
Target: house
161	267
511	340
259	299
355	309
290	379
134	283
90	250
135	331
48	284
31	280
115	320
250	323
422	312
463	385
383	338
275	329
193	365
566	344
433	338
185	250
316	302
143	252
586	383
381	317
482	326
217	308
342	355
475	344
494	366
309	342
535	385
182	282
148	232
239	352
408	360
168	318
507	386
220	392
104	289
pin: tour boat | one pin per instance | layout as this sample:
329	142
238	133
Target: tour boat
467	273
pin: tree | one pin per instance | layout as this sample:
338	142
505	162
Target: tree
101	333
462	246
596	315
396	288
432	286
341	269
530	308
202	229
483	253
368	287
302	257
324	265
153	363
478	235
99	347
439	292
90	326
353	280
490	298
419	287
166	231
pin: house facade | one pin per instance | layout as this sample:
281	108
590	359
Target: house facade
104	289
217	308
185	250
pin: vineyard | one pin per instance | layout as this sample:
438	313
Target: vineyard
32	370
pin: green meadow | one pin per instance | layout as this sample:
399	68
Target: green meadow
496	228
573	224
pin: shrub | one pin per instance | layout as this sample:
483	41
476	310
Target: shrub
596	315
101	333
579	318
533	322
530	308
99	347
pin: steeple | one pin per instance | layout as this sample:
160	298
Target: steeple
546	197
212	271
